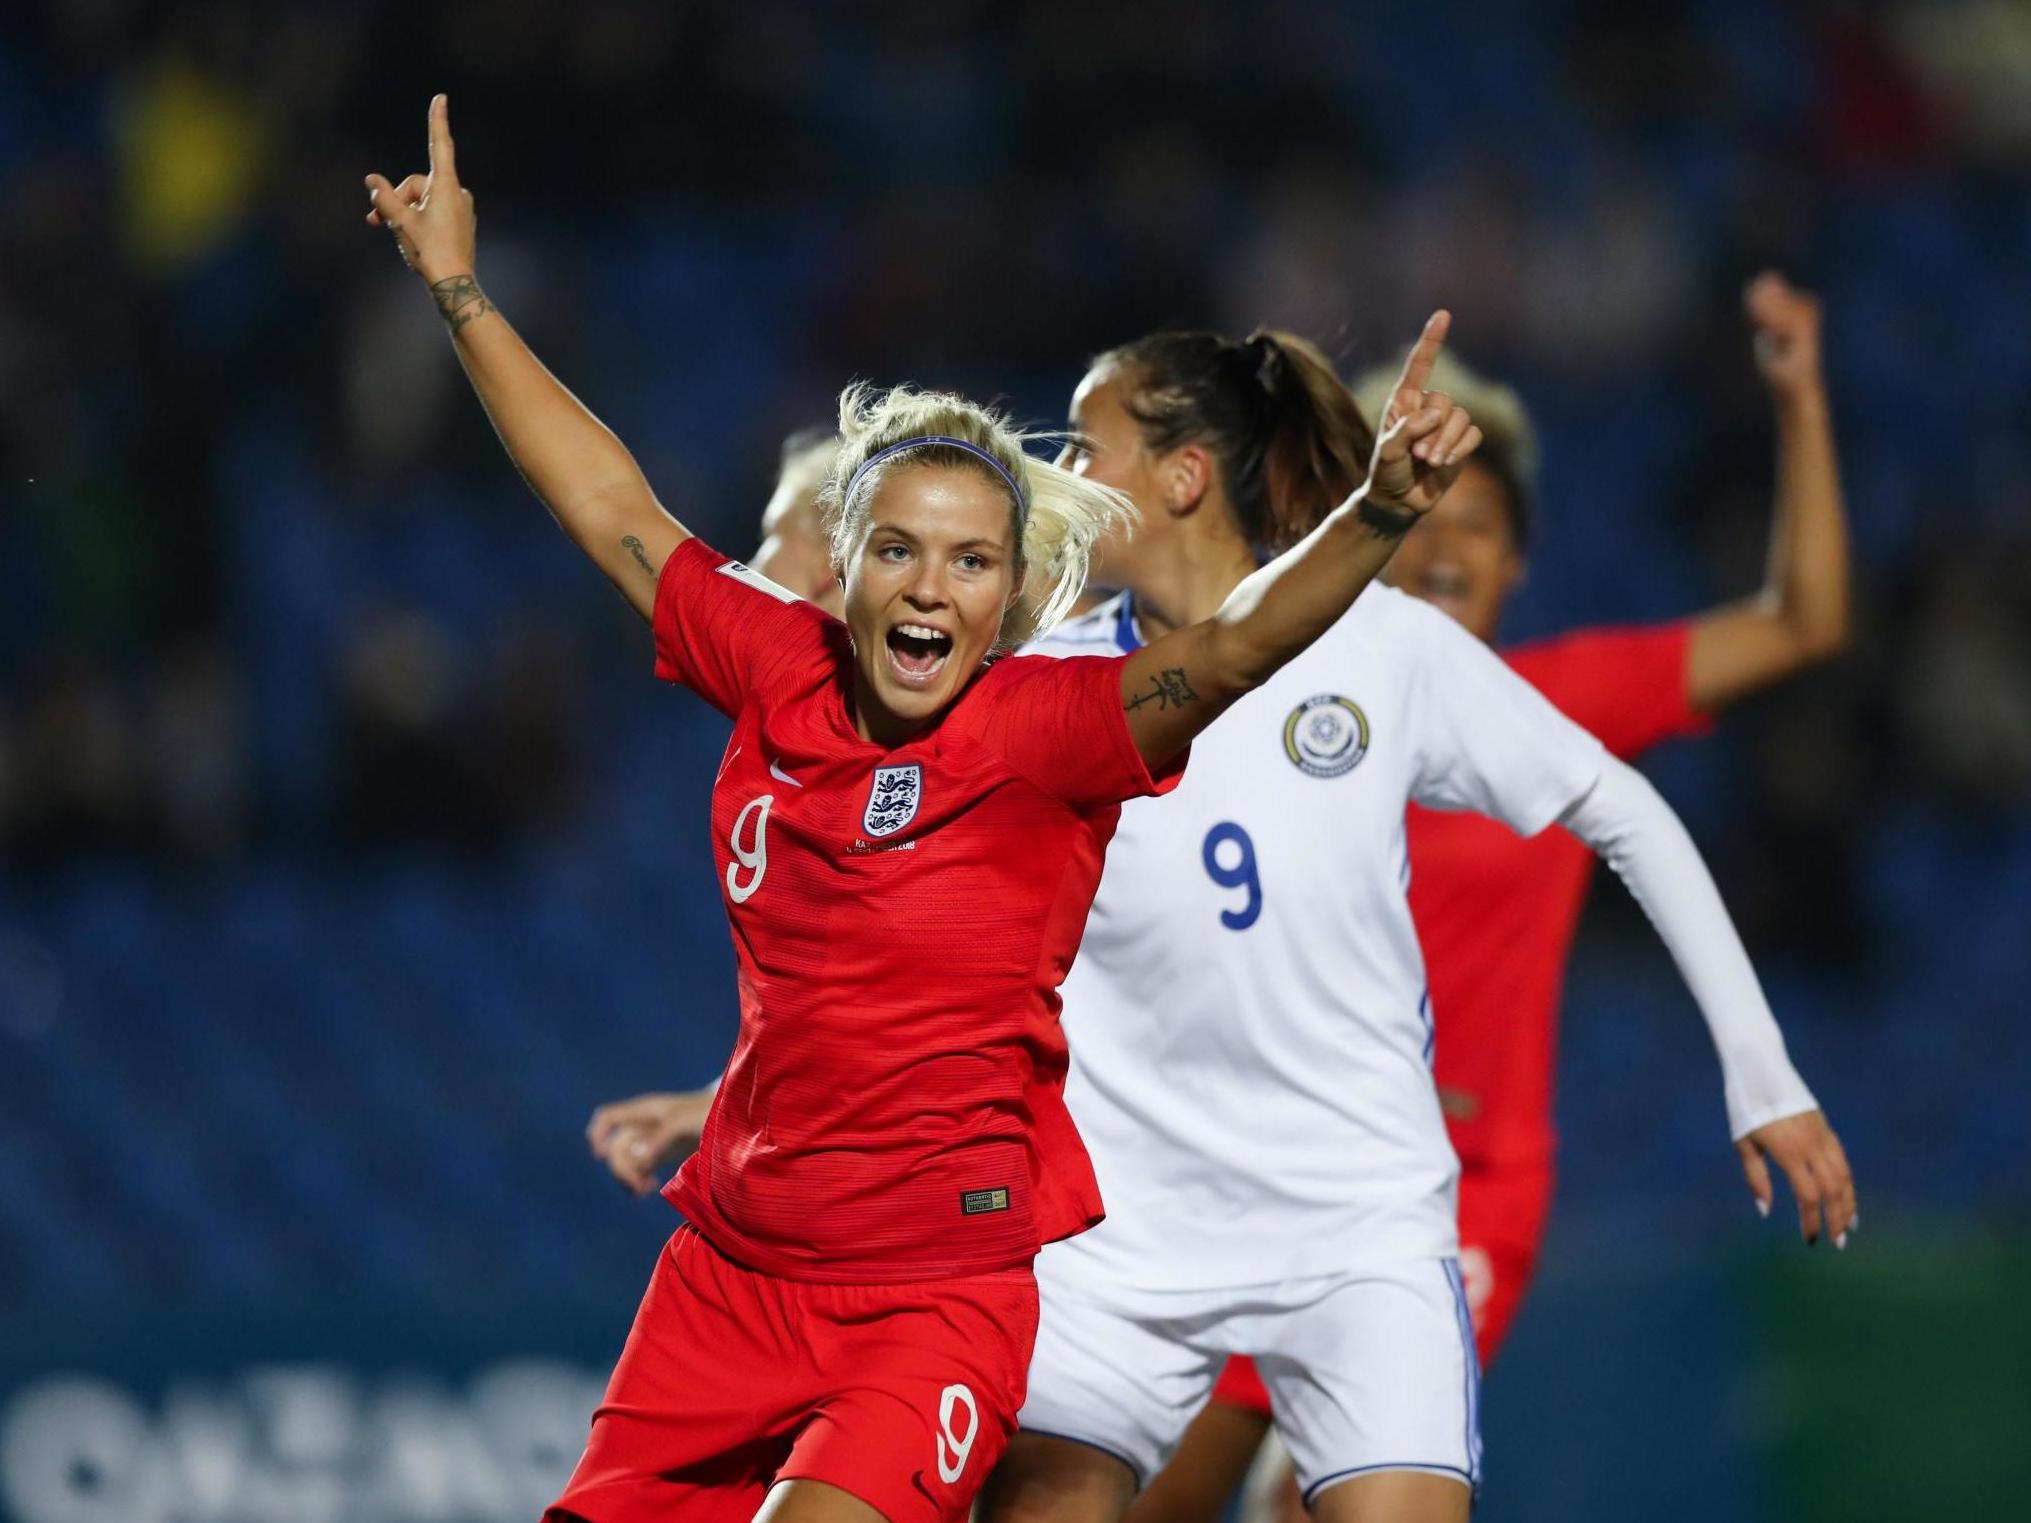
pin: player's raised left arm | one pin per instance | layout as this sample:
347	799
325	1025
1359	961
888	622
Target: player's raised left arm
1771	1114
1177	685
583	473
1800	615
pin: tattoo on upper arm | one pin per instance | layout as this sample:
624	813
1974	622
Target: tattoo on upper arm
634	547
1168	690
460	300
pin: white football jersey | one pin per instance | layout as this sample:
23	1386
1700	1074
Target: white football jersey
1250	1031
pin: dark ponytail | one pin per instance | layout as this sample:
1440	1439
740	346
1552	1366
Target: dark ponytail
1289	440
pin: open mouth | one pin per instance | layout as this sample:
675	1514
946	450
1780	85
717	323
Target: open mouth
917	653
1446	587
1443	582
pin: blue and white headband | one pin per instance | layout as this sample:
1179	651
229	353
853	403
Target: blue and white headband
925	442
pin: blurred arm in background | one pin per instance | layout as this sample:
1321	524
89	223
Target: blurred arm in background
1800	617
644	1138
585	476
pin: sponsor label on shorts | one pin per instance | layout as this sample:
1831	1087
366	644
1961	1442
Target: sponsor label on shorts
980	1202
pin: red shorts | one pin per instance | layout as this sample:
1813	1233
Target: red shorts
1239	1386
731	1380
1502	1219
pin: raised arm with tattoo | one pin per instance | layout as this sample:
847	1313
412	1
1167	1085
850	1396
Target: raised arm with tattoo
1177	685
571	460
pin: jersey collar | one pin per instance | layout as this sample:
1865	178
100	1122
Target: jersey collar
1124	625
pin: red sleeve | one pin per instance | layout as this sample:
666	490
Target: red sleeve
725	631
1058	721
1626	685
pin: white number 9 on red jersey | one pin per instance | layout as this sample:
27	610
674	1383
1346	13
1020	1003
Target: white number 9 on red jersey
755	857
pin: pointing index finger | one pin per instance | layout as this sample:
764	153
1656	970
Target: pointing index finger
441	160
1424	353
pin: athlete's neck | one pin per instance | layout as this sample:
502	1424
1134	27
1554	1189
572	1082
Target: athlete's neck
873	721
1186	579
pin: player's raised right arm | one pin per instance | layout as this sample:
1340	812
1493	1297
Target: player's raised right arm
1175	686
583	473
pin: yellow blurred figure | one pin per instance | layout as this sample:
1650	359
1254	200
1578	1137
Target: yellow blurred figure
188	159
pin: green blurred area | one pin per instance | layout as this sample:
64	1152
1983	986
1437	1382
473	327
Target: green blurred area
1752	1380
1899	1388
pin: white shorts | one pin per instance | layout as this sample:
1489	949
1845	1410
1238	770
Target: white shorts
1370	1370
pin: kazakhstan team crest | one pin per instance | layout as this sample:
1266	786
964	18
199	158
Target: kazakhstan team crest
892	800
1326	736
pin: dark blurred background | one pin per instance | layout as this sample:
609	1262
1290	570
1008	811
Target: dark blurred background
349	855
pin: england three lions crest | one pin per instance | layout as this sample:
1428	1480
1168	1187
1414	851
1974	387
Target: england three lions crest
892	799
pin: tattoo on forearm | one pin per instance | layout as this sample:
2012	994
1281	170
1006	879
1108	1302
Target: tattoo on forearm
1168	690
460	300
1388	523
634	547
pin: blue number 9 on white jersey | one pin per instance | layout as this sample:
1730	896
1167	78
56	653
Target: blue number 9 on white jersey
1241	873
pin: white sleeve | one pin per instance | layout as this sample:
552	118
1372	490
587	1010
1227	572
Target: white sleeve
1486	740
1638	835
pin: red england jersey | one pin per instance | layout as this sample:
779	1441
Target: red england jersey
1496	913
894	1107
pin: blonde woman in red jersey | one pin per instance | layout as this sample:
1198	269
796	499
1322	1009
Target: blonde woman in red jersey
1496	913
908	833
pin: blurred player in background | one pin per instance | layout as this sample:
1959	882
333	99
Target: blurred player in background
795	552
908	832
1251	1037
1496	914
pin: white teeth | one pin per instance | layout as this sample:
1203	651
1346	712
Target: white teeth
921	632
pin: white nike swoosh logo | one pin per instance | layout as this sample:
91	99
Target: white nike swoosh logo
781	776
